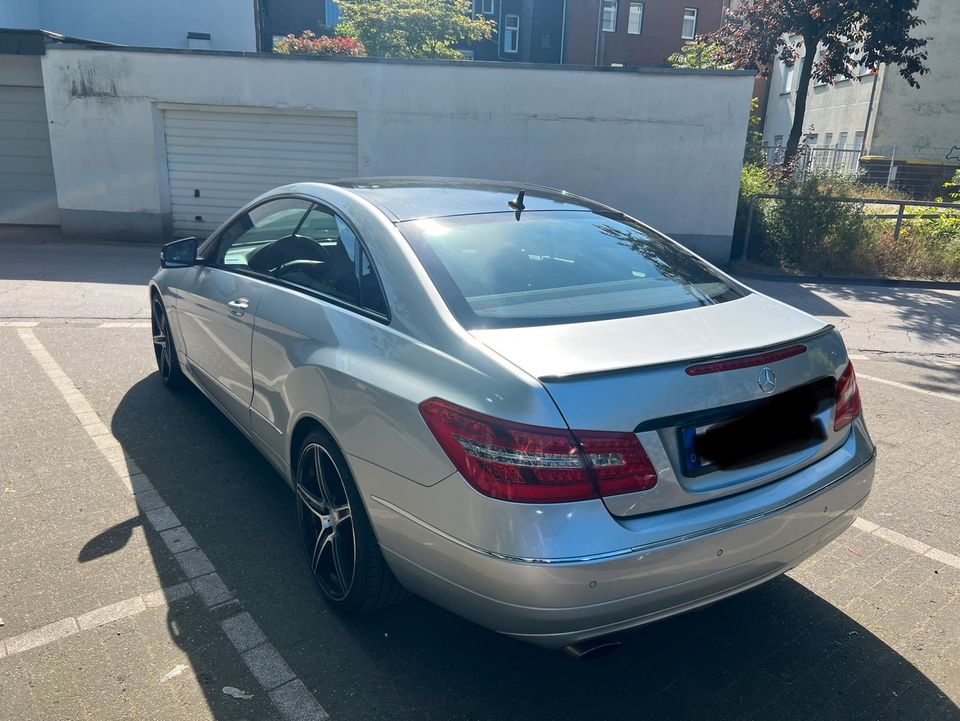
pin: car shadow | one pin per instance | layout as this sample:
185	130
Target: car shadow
779	651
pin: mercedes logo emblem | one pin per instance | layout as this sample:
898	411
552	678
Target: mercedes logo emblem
767	380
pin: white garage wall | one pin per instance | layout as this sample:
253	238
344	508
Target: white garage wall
663	145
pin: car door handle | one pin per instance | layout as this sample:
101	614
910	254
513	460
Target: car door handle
238	306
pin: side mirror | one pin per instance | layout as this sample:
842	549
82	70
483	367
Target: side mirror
179	253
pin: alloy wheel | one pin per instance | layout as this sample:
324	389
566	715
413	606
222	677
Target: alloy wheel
161	344
326	521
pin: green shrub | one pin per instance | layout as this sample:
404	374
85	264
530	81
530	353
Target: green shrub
812	233
928	246
755	179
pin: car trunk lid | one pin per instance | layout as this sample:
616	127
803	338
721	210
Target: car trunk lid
631	374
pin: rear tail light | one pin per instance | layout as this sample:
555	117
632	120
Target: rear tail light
848	398
529	464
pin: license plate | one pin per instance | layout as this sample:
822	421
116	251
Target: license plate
775	427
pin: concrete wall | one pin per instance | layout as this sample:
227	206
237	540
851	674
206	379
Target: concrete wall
152	23
663	145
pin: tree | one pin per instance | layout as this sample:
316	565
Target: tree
413	28
848	33
700	54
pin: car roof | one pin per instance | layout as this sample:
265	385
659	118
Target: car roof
415	198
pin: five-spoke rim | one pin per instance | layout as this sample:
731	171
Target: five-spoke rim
161	346
326	521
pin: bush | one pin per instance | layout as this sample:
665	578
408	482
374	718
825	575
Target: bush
928	246
309	43
754	179
814	234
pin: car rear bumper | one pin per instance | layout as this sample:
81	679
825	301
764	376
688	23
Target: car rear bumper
558	603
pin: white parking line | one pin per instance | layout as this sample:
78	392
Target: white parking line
288	694
911	544
93	619
915	389
125	324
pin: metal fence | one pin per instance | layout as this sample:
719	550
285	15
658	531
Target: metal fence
900	216
919	171
811	157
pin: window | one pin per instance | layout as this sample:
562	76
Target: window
258	229
303	244
828	140
842	141
558	267
778	141
635	19
511	33
609	20
322	256
689	31
788	71
811	140
485	7
816	61
858	140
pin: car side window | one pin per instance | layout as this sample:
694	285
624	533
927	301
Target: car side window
322	256
250	241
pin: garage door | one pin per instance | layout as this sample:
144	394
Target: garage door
28	193
219	160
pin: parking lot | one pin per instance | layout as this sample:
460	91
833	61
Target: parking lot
150	566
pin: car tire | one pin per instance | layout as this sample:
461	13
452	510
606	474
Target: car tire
341	547
163	348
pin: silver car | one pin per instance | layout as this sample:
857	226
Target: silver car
520	404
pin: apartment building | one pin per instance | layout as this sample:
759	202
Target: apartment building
876	122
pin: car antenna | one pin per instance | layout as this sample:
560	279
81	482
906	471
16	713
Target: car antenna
517	204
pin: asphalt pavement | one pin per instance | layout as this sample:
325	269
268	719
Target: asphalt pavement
150	566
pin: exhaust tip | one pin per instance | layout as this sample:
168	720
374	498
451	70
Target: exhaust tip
592	648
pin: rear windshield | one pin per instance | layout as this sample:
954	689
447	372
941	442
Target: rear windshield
495	271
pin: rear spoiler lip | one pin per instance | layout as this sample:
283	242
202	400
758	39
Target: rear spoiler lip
828	328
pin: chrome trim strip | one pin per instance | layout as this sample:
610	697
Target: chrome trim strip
626	551
266	420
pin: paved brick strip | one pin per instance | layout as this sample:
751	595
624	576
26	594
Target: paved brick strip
288	693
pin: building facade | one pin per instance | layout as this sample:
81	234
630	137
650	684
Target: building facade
528	31
199	24
877	123
635	34
279	18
